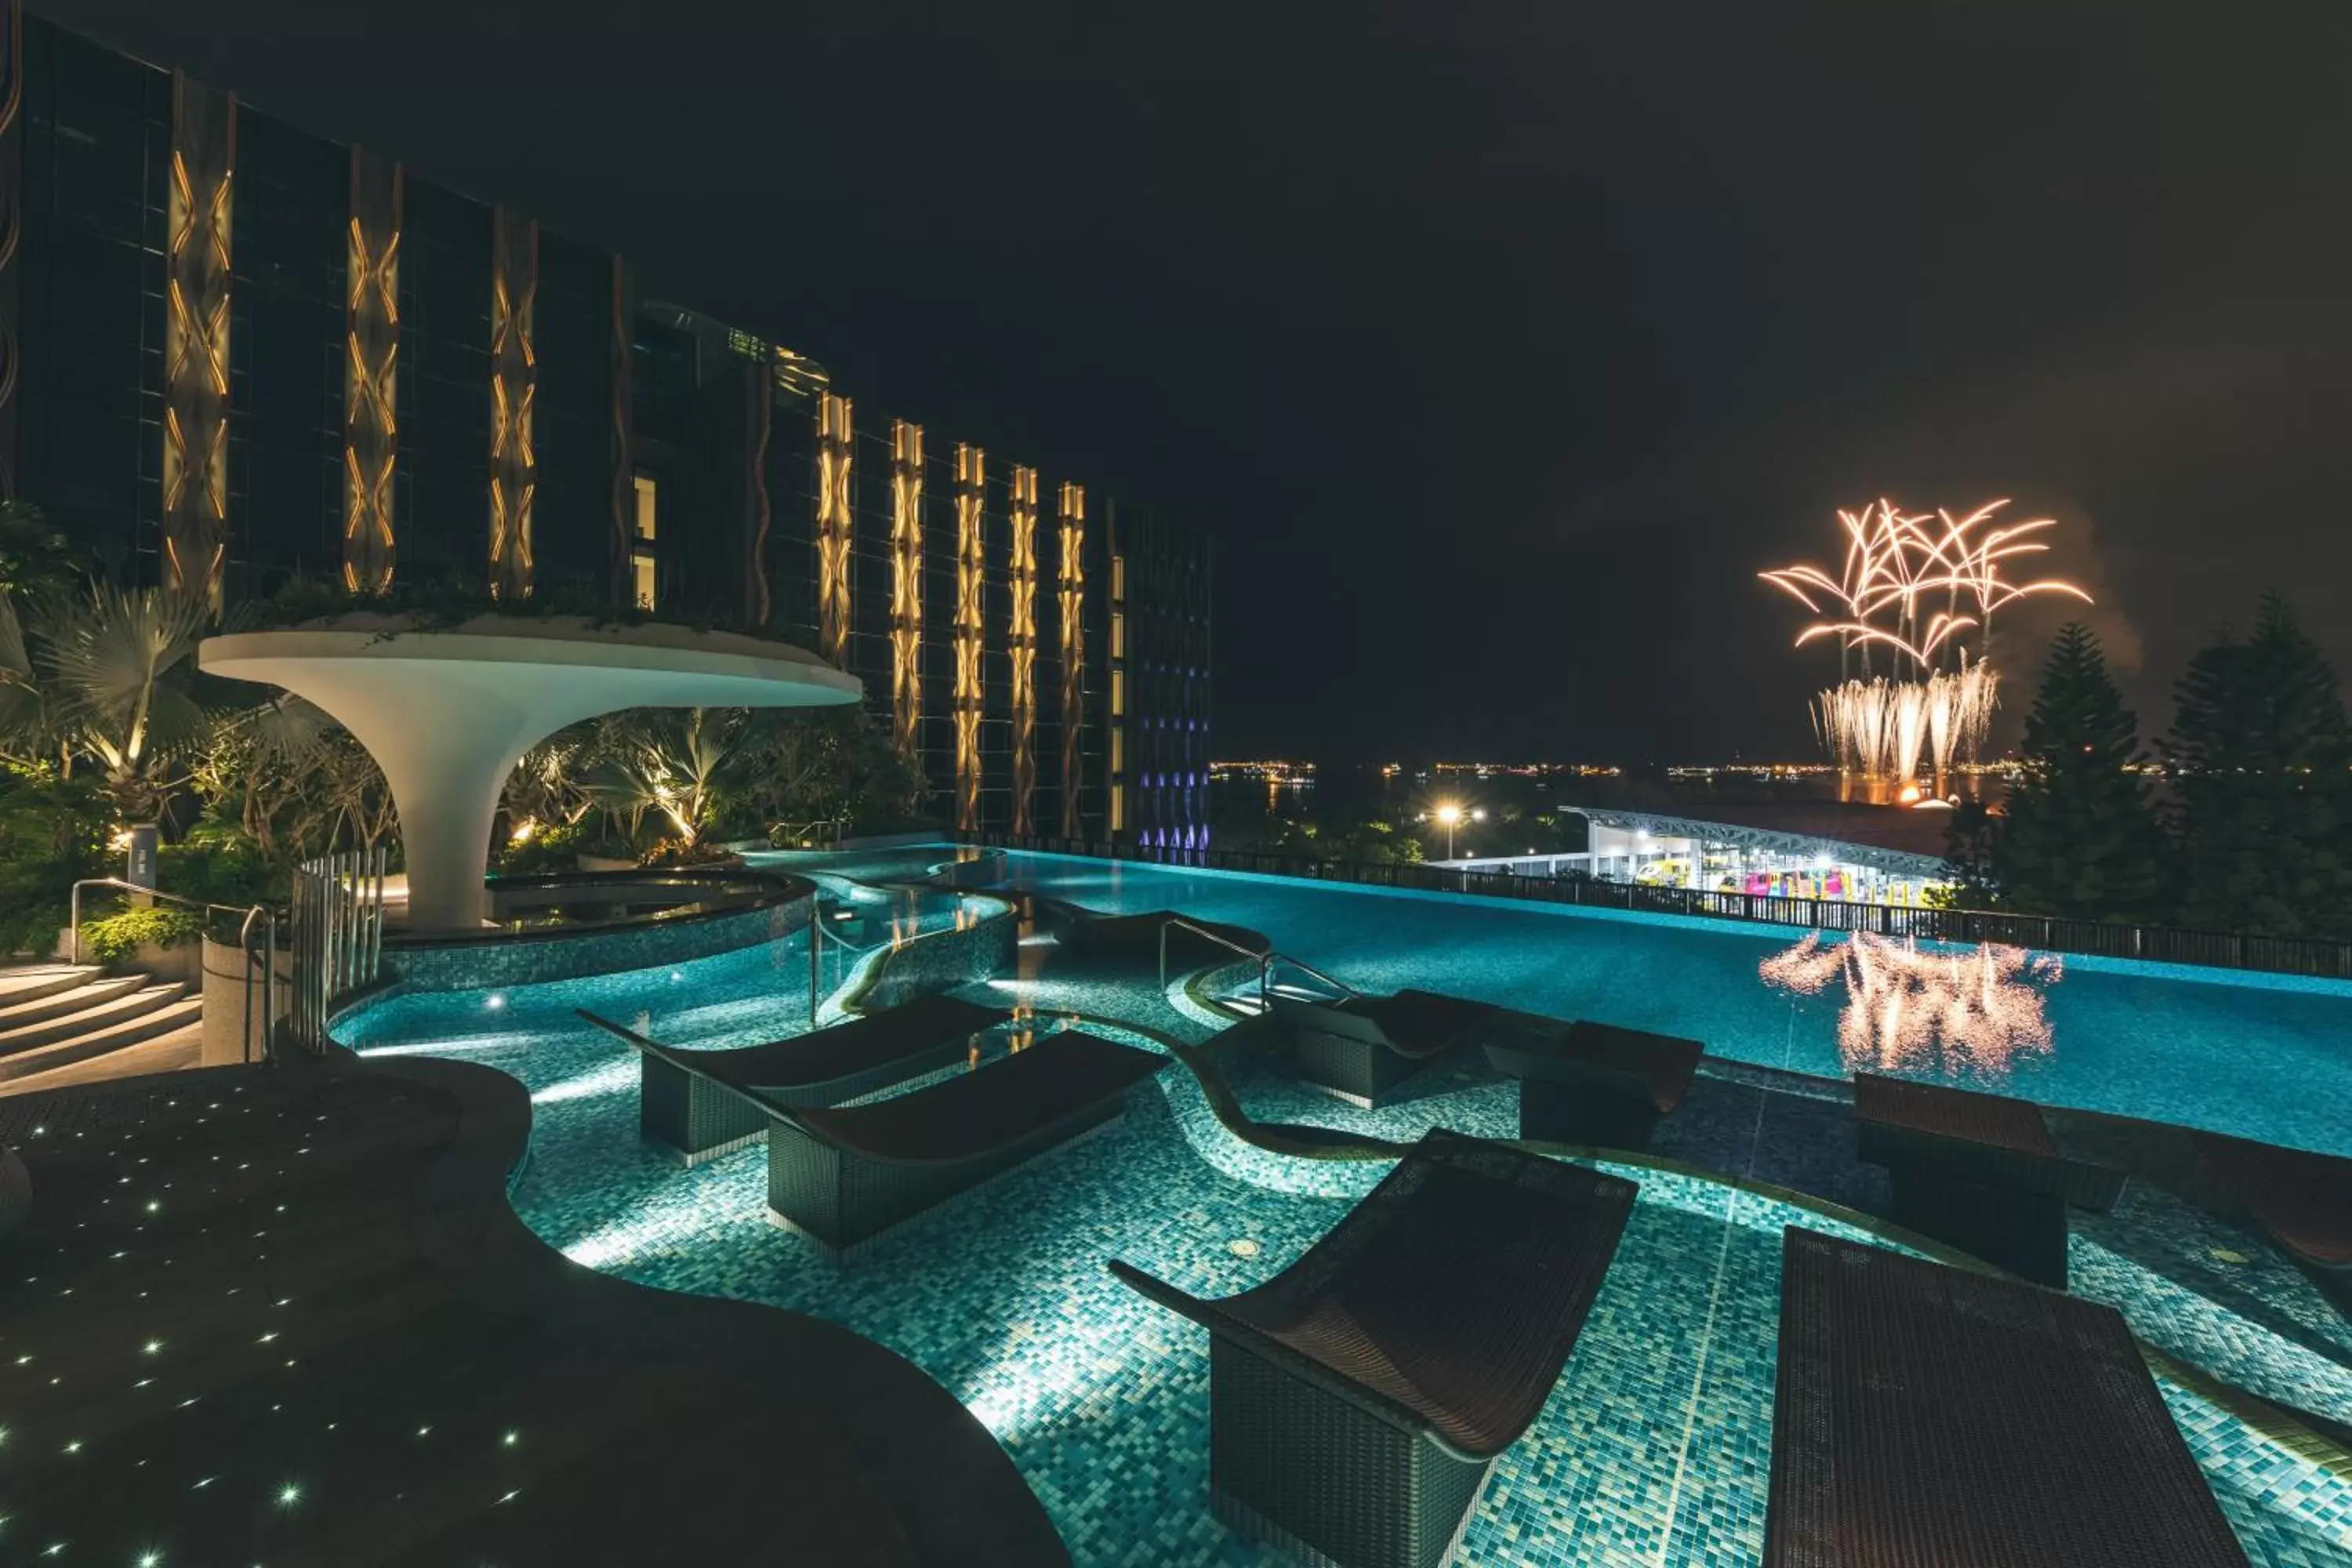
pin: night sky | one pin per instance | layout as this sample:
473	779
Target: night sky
1497	346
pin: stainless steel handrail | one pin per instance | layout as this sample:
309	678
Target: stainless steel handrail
819	931
243	941
1266	961
268	979
1332	981
73	906
1224	941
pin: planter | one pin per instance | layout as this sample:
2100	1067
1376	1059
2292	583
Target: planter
229	1036
588	862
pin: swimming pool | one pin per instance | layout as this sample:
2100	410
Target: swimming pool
1652	1451
2259	1056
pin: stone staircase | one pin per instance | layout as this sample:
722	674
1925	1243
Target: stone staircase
64	1023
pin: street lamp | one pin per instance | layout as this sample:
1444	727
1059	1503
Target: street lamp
1450	815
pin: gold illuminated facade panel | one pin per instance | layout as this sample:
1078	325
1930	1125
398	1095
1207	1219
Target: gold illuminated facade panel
1072	603
632	571
971	562
11	228
514	390
1021	641
371	372
835	456
907	584
199	221
759	602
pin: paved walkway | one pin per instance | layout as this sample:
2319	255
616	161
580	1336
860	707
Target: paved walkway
287	1316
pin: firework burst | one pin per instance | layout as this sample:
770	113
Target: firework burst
1915	590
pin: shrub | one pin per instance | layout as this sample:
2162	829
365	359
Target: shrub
52	834
120	936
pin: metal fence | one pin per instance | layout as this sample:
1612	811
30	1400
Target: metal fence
2161	944
338	926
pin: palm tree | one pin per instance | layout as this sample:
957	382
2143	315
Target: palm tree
114	680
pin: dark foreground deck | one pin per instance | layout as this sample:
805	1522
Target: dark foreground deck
239	1281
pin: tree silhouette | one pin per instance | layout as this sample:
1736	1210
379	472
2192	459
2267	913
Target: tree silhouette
2080	837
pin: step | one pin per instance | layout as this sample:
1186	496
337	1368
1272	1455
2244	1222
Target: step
176	1051
105	1014
148	1025
25	982
99	988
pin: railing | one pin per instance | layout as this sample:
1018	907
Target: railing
2315	956
817	834
1265	959
263	950
819	933
338	920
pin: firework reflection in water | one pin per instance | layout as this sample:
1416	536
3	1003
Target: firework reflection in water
1958	1014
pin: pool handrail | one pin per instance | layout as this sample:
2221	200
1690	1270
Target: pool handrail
1265	959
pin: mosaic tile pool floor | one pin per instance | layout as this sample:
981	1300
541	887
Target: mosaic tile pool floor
1653	1450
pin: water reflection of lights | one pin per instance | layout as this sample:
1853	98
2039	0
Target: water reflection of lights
1970	1013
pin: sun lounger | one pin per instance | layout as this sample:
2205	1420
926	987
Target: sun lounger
1978	1171
1364	1049
1926	1416
1359	1398
697	1116
2303	1199
1596	1085
845	1175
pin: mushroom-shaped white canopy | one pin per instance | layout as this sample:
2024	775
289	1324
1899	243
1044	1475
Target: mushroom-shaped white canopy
448	713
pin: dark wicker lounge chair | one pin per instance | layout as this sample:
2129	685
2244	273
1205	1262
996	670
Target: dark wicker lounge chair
1978	1171
1929	1417
1362	1049
844	1177
697	1115
1359	1398
1597	1084
2303	1199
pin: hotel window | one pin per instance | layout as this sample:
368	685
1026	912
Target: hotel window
1118	635
1118	808
646	495
1119	579
641	558
1117	693
1118	751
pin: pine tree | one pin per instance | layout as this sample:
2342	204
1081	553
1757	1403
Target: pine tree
2261	755
2080	837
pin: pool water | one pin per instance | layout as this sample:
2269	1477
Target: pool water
2261	1057
1653	1448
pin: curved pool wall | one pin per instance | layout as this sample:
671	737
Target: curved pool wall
561	953
749	991
937	865
940	960
2258	1056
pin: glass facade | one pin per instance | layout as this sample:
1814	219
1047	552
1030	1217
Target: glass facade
1040	652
